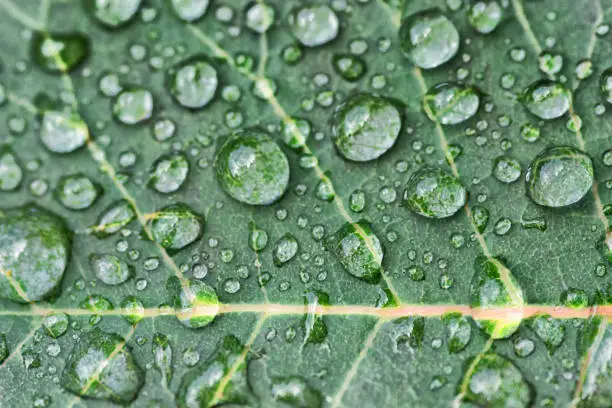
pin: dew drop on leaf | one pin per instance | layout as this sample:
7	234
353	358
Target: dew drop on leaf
550	331
101	367
575	298
110	269
314	25
550	63
113	218
176	226
523	347
169	172
162	356
506	169
258	238
63	132
133	106
358	249
559	176
133	310
458	332
365	127
349	67
57	53
451	103
190	10
295	392
35	246
55	324
485	15
197	303
493	286
77	192
429	38
11	173
113	13
259	17
285	250
252	168
605	84
433	193
193	83
497	382
547	99
296	133
314	325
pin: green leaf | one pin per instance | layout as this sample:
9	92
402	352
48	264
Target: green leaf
272	203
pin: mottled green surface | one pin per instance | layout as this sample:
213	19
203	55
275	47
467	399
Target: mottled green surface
407	363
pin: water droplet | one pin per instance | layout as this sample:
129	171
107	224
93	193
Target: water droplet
458	332
547	99
584	69
314	325
429	38
451	103
113	13
77	192
225	368
496	382
57	53
116	216
365	127
133	309
295	392
190	10
559	176
162	356
35	245
502	226
252	168
349	67
164	129
433	193
98	368
358	249
550	63
357	201
507	169
63	132
110	269
176	226
55	324
197	303
11	173
259	17
296	133
314	25
193	83
168	173
133	105
408	332
530	133
484	16
575	298
285	250
523	347
550	331
493	286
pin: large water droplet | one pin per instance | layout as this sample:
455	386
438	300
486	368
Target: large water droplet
176	226
365	127
559	176
450	103
57	53
193	83
190	10
493	286
77	192
101	366
433	193
429	38
547	99
252	168
63	132
358	250
314	25
34	247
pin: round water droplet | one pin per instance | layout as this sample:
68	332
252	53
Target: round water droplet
55	324
550	63
77	192
606	85
365	127
584	69
484	16
285	250
101	367
295	392
459	332
193	83
530	133
133	106
116	216
190	10
523	347
547	99
358	249
133	310
252	168
429	38
197	303
11	173
314	25
433	193
113	13
63	132
57	53
451	103
169	173
110	269
550	331
349	67
176	226
559	176
259	17
507	169
35	245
